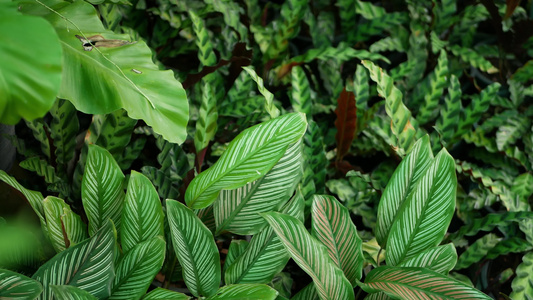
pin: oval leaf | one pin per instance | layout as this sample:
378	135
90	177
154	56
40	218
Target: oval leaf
17	286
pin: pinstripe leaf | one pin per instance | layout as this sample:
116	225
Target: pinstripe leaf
425	215
235	249
195	249
417	283
74	227
401	184
101	189
142	216
16	286
137	269
163	294
237	211
64	226
307	293
87	265
311	256
244	292
248	157
68	292
440	259
333	227
378	296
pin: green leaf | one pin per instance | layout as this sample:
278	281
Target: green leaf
451	113
75	229
55	209
511	131
248	157
523	284
511	245
195	249
437	82
333	227
137	269
101	189
425	215
401	184
300	95
142	215
272	110
378	296
315	155
440	259
417	283
472	57
114	133
164	294
39	133
523	185
311	256
63	130
341	53
68	292
17	286
41	167
30	82
477	250
245	292
236	248
93	261
113	72
307	293
237	211
206	125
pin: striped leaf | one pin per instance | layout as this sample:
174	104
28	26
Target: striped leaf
195	249
206	125
301	99
248	157
165	185
307	293
41	167
164	294
68	292
39	133
450	115
426	213
401	184
272	110
511	245
237	211
333	227
137	269
93	261
417	283
206	55
265	256
440	259
63	130
115	132
437	81
101	189
244	292
16	286
142	216
315	155
62	229
341	53
75	228
473	58
311	256
236	248
378	296
523	282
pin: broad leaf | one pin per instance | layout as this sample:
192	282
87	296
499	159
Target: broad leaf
142	216
68	292
333	227
17	286
346	122
417	283
75	229
311	256
55	209
237	211
248	157
441	259
236	248
163	294
245	292
195	249
101	189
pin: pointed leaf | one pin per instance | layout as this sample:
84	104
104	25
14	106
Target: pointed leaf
245	292
75	229
164	294
441	259
195	249
17	286
346	122
300	96
63	130
272	110
54	210
248	157
307	293
68	292
236	248
523	283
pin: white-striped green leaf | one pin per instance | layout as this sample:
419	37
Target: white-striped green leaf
400	185
265	256
142	216
417	283
378	296
248	157
137	269
425	215
245	292
101	189
307	293
75	229
237	211
272	110
87	265
311	256
59	217
236	248
195	249
333	227
17	286
68	292
440	259
164	294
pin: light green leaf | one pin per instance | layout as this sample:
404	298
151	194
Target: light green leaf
378	296
426	213
137	269
236	248
523	284
237	211
163	294
17	286
307	293
101	189
54	211
301	98
333	227
30	82
440	259
206	125
245	292
142	216
75	228
311	256
248	157
195	249
417	283
68	292
272	110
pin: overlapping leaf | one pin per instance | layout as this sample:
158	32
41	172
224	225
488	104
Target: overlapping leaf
69	292
441	259
64	226
523	284
163	294
63	130
16	286
272	110
245	291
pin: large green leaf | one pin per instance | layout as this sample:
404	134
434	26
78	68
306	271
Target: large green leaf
237	211
68	292
137	269
441	259
417	283
55	209
101	189
195	249
163	294
333	227
87	265
425	215
236	248
142	216
400	185
112	72
30	82
245	292
311	256
248	157
17	286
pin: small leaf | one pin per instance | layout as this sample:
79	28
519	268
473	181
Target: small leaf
477	250
17	286
164	294
236	248
346	122
245	291
272	110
